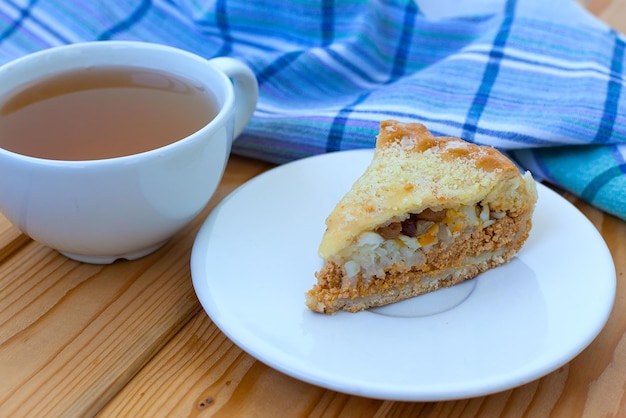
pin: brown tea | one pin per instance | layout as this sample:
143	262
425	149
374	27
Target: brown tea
104	112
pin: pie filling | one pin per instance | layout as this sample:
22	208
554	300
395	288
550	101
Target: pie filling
405	243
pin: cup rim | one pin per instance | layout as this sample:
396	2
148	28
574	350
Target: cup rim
222	114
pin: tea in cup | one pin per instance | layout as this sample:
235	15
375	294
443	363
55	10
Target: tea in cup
109	148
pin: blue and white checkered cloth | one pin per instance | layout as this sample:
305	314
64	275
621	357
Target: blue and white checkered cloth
541	79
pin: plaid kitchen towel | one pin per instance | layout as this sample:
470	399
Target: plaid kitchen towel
540	79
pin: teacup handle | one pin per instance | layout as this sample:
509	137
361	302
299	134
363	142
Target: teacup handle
246	89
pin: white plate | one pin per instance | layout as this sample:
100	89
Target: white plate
256	254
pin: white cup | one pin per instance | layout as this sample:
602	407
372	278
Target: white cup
98	211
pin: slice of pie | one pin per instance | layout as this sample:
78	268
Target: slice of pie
429	212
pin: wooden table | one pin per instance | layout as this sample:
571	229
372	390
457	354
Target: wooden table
131	339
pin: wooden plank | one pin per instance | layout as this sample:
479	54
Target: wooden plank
65	325
11	239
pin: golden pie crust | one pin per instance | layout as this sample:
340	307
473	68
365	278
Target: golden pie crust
468	207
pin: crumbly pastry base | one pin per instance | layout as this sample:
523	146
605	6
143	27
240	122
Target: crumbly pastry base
466	256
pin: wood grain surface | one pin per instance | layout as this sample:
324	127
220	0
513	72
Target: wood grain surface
201	373
131	339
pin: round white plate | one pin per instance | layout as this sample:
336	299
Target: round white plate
256	255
